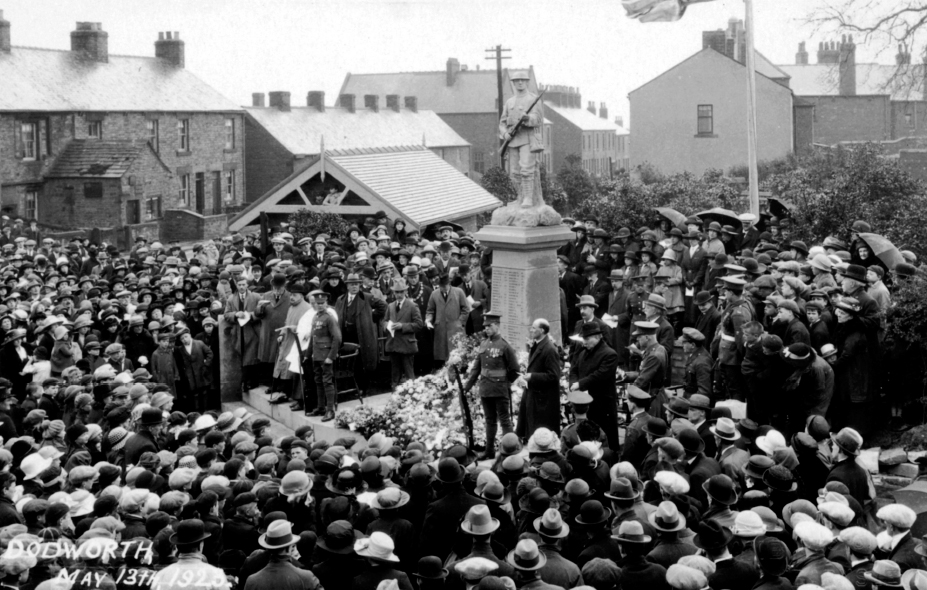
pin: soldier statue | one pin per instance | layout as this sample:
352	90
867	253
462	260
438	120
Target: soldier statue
522	127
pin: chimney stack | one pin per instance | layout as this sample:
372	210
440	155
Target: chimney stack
828	53
4	34
346	101
903	58
801	58
591	107
847	66
603	111
412	103
169	47
257	99
280	100
619	121
392	102
316	99
91	40
372	102
453	68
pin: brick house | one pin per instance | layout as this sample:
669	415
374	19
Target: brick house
279	138
51	99
601	144
693	117
466	99
842	101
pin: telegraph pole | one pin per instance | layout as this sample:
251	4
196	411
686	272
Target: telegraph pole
750	62
498	51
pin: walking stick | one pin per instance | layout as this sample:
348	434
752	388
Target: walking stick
468	419
300	380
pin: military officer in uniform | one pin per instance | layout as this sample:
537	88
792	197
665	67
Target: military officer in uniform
325	342
729	338
496	368
527	142
698	363
654	367
635	441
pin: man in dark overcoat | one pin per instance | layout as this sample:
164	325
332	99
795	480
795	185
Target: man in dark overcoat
540	404
358	314
593	370
403	323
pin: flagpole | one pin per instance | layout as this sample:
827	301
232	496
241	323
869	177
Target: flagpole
322	156
751	111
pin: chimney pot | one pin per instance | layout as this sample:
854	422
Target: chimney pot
316	99
346	101
392	102
257	99
372	102
170	48
4	34
280	99
603	111
90	40
453	68
412	103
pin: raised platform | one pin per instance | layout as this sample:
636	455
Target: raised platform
259	402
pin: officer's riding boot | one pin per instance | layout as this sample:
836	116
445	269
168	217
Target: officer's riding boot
527	192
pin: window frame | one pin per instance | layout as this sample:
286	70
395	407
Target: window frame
153	208
479	162
95	129
700	117
229	192
33	140
183	132
153	127
88	194
184	192
230	131
33	211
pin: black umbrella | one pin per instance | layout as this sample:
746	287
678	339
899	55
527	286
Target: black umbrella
722	216
779	208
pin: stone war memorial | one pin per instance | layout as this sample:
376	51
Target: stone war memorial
524	235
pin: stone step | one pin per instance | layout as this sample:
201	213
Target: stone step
288	420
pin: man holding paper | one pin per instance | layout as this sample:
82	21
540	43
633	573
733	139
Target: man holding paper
403	322
242	326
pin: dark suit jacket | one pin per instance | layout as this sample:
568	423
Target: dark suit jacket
640	574
599	290
905	556
621	335
540	406
733	575
138	444
408	314
699	471
855	477
594	370
442	520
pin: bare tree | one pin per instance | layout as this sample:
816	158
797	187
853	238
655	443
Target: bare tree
896	29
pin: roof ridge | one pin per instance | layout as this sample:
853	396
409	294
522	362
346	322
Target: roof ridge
441	72
69	51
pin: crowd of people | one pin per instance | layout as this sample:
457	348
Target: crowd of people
120	470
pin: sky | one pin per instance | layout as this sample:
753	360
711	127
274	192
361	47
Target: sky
240	47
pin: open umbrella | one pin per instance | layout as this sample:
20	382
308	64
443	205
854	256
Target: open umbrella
914	497
722	216
674	217
779	208
883	249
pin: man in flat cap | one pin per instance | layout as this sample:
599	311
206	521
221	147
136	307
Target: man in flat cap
698	363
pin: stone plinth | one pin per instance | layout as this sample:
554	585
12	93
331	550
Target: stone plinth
230	367
525	283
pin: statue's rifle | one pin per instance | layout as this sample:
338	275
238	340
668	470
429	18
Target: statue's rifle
521	122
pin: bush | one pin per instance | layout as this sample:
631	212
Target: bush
497	182
312	223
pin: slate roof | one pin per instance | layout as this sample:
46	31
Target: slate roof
419	184
300	130
94	158
585	120
871	79
473	91
36	79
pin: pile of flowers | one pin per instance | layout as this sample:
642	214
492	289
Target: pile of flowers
427	409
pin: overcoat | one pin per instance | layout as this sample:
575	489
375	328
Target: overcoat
273	316
448	316
196	364
249	348
365	325
540	405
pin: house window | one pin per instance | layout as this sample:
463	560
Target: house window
154	134
909	119
230	134
30	135
230	186
95	129
184	189
133	212
479	164
93	190
31	205
153	208
183	129
706	119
